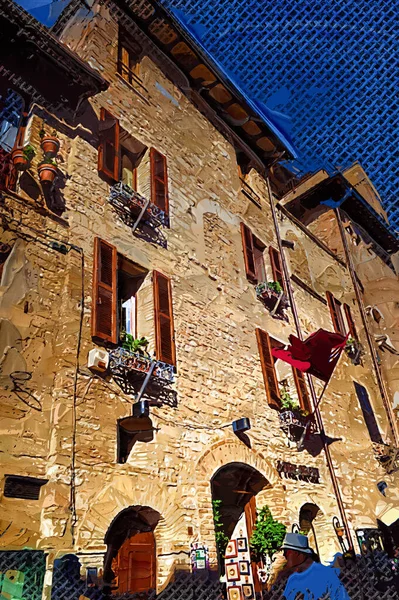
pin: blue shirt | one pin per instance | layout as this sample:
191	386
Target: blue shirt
316	582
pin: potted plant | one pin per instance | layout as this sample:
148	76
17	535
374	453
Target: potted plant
266	540
272	295
50	144
22	157
47	169
134	345
292	416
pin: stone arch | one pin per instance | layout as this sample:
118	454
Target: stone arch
214	458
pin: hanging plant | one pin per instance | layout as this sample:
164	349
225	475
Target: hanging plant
22	157
267	536
47	170
50	144
221	538
134	345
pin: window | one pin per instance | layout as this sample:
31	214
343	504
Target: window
277	266
268	370
302	390
121	157
116	283
129	55
350	322
12	129
253	250
336	314
368	413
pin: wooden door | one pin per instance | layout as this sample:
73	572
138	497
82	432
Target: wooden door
136	568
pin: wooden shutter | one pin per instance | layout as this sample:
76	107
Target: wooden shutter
164	333
268	370
104	322
248	249
351	323
302	390
108	150
336	315
159	180
277	267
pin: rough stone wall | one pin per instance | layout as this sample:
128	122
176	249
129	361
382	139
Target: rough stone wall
219	376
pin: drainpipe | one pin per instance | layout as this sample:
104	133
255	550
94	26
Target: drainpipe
381	384
330	465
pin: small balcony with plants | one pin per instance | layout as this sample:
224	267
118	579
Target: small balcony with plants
387	455
293	419
131	358
133	208
354	350
272	296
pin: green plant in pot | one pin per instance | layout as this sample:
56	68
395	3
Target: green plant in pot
22	157
47	170
267	537
275	287
134	345
50	144
288	403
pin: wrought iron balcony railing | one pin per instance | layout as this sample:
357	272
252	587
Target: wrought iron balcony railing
122	362
276	302
132	207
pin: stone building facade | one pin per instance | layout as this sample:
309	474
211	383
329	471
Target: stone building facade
76	253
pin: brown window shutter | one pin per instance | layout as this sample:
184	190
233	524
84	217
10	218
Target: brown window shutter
302	390
248	248
159	180
336	315
351	322
108	150
104	324
268	370
277	266
164	331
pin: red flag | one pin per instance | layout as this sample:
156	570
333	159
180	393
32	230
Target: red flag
317	355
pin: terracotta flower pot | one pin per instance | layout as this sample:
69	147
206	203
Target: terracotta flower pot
19	160
50	145
47	173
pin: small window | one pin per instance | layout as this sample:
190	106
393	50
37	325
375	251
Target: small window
254	260
368	413
28	488
335	307
129	56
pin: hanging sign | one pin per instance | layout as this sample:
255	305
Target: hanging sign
199	556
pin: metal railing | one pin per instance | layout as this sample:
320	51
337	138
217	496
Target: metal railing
132	207
122	362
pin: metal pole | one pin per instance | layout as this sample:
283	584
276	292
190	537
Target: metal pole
370	342
320	424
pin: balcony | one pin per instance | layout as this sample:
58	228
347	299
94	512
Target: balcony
134	209
387	455
273	298
123	363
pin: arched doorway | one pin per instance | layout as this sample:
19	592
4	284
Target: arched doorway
235	487
130	561
307	515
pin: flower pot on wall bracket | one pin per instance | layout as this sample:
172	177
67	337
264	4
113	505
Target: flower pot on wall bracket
273	299
355	351
47	172
293	424
22	157
50	145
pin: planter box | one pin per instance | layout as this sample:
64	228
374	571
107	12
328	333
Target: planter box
270	298
355	352
130	204
122	362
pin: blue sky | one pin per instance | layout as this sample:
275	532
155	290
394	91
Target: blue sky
45	11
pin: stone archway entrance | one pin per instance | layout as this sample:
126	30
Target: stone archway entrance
235	486
130	561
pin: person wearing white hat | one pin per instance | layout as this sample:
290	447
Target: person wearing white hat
308	577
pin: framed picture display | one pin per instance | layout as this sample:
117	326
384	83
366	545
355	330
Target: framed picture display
242	544
234	593
231	550
244	567
248	591
232	572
